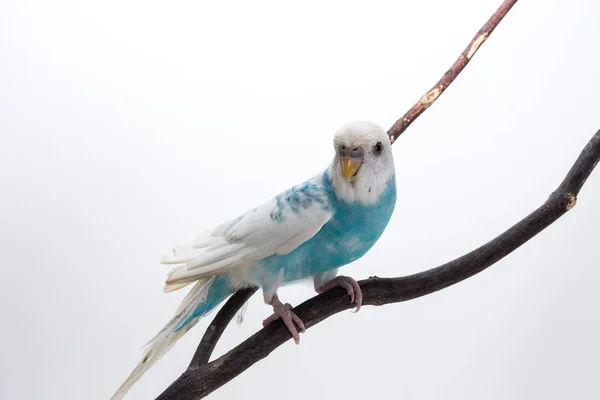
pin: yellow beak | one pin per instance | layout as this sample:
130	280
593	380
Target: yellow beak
350	167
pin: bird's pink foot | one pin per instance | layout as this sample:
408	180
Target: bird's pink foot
291	320
351	286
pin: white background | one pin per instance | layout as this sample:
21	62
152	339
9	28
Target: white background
128	127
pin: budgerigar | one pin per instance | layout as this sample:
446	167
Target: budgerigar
308	231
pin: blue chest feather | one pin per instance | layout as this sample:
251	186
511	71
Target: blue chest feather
347	236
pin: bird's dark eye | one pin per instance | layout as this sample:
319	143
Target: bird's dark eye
378	148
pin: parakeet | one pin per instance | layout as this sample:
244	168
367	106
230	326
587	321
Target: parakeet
308	231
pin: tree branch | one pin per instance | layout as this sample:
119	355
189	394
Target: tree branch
217	326
461	62
199	381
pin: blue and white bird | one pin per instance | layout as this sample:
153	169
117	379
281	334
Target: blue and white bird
308	231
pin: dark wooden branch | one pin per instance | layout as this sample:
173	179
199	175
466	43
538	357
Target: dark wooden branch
199	381
228	311
217	326
461	62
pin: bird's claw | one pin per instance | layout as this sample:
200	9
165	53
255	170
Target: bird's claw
289	318
352	288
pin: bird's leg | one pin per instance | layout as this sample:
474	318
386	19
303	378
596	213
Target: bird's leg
351	286
284	311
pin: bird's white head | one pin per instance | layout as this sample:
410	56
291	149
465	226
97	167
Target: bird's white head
363	165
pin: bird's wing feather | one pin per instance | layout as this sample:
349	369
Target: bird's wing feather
276	227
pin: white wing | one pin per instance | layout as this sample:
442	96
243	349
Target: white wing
277	227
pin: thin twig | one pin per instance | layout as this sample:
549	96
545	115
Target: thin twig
199	382
222	319
432	95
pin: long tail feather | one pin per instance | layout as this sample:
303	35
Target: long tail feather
185	318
